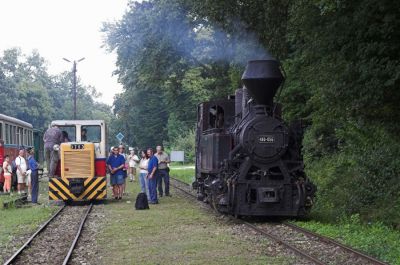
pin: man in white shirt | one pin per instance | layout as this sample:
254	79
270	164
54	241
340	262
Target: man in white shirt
22	167
132	160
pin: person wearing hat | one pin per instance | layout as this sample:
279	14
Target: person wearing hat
33	167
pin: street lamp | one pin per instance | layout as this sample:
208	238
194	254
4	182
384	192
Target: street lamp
74	81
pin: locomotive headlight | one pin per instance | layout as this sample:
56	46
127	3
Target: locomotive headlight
56	147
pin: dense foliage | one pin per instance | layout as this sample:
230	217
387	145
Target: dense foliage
341	60
30	93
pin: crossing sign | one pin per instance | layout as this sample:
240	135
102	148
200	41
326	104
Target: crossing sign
120	136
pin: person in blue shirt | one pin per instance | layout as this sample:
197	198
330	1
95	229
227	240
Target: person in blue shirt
34	167
152	176
116	163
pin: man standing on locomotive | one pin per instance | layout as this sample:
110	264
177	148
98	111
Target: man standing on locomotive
53	136
163	171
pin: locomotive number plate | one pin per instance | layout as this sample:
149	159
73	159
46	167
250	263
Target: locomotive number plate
266	139
77	146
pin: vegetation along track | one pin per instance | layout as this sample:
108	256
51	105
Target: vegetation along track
315	248
55	240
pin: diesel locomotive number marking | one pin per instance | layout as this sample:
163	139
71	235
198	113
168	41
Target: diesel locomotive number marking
266	139
77	146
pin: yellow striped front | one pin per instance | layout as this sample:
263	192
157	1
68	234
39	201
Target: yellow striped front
95	188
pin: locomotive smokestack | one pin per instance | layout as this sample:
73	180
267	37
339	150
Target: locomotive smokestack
262	78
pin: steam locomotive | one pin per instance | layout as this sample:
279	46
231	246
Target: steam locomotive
248	161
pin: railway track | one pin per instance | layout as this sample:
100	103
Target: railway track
314	248
55	241
17	201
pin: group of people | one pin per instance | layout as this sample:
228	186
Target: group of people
26	171
153	171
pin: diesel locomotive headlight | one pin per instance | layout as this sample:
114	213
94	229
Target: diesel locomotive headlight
56	147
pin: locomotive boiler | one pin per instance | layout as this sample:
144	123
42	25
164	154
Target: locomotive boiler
248	160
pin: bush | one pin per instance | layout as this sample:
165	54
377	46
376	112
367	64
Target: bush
360	177
184	142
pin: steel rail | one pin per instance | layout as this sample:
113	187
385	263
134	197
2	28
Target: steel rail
17	201
78	234
180	181
334	242
304	231
298	251
24	246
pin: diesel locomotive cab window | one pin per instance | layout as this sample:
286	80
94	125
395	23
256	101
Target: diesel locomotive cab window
216	118
69	133
91	133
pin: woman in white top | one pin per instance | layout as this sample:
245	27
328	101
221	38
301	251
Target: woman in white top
132	160
7	174
143	165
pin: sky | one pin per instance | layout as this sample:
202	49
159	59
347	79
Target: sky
65	28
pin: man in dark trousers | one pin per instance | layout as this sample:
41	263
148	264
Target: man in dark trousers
152	176
163	171
34	167
53	136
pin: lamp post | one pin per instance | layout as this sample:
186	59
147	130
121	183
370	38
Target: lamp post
74	80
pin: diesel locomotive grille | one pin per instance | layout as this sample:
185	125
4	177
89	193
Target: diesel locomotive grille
77	163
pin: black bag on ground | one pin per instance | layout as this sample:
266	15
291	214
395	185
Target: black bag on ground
141	202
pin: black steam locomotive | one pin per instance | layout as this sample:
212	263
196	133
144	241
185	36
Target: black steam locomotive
248	161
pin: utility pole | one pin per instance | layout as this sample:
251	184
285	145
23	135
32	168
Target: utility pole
74	80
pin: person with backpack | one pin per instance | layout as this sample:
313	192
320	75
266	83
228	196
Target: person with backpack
22	167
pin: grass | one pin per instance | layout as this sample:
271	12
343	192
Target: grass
16	222
185	173
6	198
375	239
176	231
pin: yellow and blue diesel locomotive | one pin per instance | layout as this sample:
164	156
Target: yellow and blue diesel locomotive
81	171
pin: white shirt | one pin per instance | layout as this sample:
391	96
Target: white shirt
144	163
21	162
132	160
7	168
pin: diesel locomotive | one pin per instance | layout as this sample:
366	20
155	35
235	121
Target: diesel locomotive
248	160
81	171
